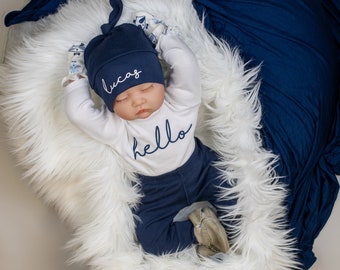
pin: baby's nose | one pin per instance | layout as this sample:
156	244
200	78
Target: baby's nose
137	101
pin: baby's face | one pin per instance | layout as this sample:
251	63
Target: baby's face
140	101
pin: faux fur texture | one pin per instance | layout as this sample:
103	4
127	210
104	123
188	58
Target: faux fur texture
90	186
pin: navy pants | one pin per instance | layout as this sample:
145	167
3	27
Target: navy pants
165	195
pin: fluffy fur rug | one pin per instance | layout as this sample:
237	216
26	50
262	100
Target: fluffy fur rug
90	186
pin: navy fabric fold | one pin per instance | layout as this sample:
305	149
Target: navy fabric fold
332	7
33	11
37	9
295	43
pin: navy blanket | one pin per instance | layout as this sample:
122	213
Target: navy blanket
297	43
33	11
299	94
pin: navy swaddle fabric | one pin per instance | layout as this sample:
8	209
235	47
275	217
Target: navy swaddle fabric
293	41
33	11
297	44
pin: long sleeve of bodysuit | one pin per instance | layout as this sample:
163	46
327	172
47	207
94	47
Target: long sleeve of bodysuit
184	86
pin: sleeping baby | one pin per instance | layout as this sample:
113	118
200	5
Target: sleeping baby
151	123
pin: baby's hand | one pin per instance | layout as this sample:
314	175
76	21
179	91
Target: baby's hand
76	67
152	26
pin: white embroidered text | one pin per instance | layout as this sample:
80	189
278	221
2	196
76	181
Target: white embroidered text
120	79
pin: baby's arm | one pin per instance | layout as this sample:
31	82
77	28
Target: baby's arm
184	84
82	112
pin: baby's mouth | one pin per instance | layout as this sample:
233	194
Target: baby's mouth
142	111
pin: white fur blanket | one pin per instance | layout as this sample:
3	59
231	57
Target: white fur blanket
90	186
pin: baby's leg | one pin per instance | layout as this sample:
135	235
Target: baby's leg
212	192
162	236
163	198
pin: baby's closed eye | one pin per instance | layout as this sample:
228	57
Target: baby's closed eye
148	87
122	99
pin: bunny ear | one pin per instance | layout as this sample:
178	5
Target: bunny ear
117	9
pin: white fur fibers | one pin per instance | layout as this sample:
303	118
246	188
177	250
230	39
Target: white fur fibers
92	188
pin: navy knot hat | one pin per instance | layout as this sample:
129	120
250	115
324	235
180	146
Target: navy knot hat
119	59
